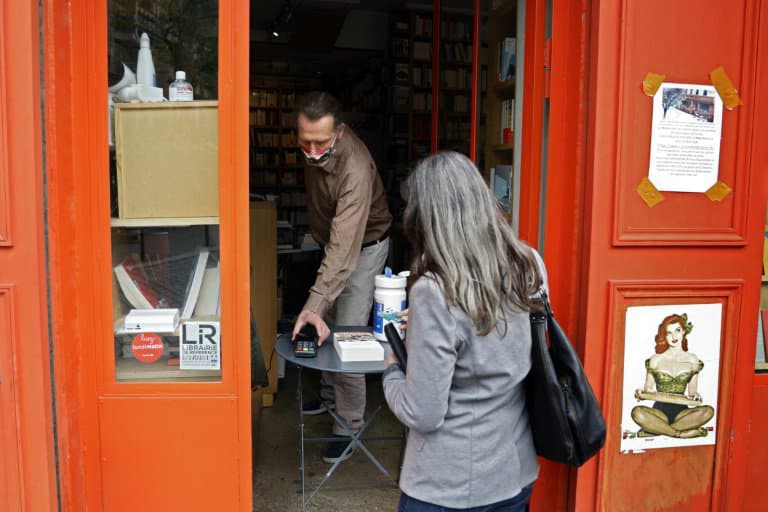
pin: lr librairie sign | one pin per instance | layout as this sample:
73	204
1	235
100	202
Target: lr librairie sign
200	347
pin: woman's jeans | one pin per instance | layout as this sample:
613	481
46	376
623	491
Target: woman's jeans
514	504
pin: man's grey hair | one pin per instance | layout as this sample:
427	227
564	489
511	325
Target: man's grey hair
318	104
460	236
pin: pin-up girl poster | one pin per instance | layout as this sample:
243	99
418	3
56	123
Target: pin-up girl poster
671	370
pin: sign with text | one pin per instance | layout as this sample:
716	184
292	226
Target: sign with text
685	137
199	346
147	347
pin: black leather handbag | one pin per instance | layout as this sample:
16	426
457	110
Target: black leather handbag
566	420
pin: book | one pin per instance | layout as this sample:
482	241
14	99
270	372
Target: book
134	284
401	71
501	182
152	320
357	347
194	283
507	58
422	51
507	121
208	301
401	96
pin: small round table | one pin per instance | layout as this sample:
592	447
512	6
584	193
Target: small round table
328	360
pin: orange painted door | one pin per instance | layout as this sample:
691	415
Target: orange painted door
27	478
149	421
645	248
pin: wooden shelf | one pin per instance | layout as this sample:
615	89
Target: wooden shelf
506	7
169	105
505	89
160	371
504	147
163	221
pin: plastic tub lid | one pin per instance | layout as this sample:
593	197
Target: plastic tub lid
383	281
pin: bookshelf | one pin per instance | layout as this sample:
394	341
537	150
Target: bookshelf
275	163
276	167
455	81
500	102
411	85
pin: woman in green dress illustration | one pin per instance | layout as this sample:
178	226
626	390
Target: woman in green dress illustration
672	377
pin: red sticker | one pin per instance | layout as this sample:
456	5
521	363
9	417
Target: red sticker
147	347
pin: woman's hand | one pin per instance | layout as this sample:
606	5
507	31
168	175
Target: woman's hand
391	359
403	316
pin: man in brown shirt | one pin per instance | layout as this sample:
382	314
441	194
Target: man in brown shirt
349	218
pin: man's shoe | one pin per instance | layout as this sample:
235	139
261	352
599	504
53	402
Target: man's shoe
317	406
335	448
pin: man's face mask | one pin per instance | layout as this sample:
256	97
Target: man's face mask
320	156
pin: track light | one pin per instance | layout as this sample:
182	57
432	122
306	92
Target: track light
282	19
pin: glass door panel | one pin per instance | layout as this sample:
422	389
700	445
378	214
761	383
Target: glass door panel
163	164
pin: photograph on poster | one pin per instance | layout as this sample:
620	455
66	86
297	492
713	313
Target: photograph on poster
685	137
671	371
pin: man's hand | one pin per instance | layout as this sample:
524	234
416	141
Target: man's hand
310	317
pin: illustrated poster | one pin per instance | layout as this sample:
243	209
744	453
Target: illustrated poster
671	372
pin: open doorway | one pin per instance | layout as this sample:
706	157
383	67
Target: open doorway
406	82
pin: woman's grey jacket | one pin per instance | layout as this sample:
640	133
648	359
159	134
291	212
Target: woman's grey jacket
469	442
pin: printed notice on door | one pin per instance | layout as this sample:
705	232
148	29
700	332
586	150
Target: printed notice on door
685	137
200	347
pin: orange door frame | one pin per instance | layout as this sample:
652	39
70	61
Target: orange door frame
88	398
27	472
566	85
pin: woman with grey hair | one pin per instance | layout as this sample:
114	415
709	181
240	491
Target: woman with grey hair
469	347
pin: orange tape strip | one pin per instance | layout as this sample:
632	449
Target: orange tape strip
652	83
718	191
649	193
725	88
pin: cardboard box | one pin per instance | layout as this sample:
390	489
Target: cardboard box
167	157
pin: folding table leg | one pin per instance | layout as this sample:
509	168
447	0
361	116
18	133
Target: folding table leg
300	399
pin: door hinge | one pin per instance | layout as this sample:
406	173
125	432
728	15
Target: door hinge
547	66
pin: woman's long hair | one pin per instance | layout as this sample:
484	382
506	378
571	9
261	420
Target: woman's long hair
459	234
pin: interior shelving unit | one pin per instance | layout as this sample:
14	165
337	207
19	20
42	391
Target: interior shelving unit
499	149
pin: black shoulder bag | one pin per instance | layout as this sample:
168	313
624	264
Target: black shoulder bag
566	420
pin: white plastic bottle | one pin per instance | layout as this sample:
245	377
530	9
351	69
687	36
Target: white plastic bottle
180	89
389	298
145	68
